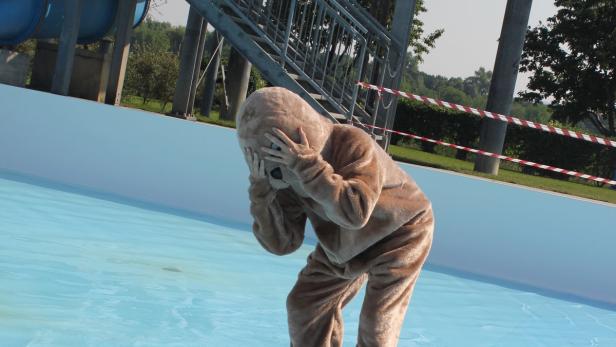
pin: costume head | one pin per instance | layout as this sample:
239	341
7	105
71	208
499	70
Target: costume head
280	108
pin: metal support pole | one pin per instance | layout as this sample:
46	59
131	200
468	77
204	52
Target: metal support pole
224	107
400	30
66	48
287	32
124	26
239	76
502	86
188	59
106	51
196	71
209	85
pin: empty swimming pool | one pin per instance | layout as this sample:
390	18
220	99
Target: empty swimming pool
78	269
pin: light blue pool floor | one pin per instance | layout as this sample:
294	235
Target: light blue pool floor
81	271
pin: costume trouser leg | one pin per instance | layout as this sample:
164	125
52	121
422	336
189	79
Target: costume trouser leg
392	266
389	289
314	306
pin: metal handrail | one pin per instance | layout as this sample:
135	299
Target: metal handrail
330	44
344	11
287	32
365	18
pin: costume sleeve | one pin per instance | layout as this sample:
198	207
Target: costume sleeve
348	187
279	219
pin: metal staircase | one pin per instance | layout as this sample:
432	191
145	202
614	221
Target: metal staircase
317	48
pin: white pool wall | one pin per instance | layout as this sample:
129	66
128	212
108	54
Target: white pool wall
530	237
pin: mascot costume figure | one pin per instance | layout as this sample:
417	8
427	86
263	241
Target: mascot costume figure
371	219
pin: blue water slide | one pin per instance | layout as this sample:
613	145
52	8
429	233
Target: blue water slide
42	19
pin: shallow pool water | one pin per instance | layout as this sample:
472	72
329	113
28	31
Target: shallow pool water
77	270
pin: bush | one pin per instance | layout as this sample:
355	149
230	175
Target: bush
524	143
152	75
436	123
559	151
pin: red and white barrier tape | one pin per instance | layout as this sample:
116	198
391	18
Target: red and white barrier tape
492	115
500	156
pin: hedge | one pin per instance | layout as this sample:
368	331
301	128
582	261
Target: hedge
524	143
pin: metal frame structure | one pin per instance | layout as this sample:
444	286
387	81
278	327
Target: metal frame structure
317	48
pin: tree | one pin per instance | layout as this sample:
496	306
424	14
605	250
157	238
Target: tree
141	73
479	83
152	34
453	94
573	62
167	70
420	44
175	36
152	74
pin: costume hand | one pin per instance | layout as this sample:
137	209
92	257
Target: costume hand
288	150
256	166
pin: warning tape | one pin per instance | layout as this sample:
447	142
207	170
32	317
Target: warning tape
499	156
492	115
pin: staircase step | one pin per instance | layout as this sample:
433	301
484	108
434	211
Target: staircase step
268	49
235	18
258	38
264	44
329	106
318	97
305	84
338	116
242	24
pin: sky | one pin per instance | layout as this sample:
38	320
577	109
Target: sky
470	41
472	29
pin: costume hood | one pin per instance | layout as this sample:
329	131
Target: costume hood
276	107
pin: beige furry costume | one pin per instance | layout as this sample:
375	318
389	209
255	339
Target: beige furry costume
371	219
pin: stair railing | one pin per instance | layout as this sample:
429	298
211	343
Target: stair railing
387	58
331	45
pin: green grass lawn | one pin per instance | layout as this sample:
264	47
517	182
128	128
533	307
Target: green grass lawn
157	107
507	172
215	119
441	162
151	106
